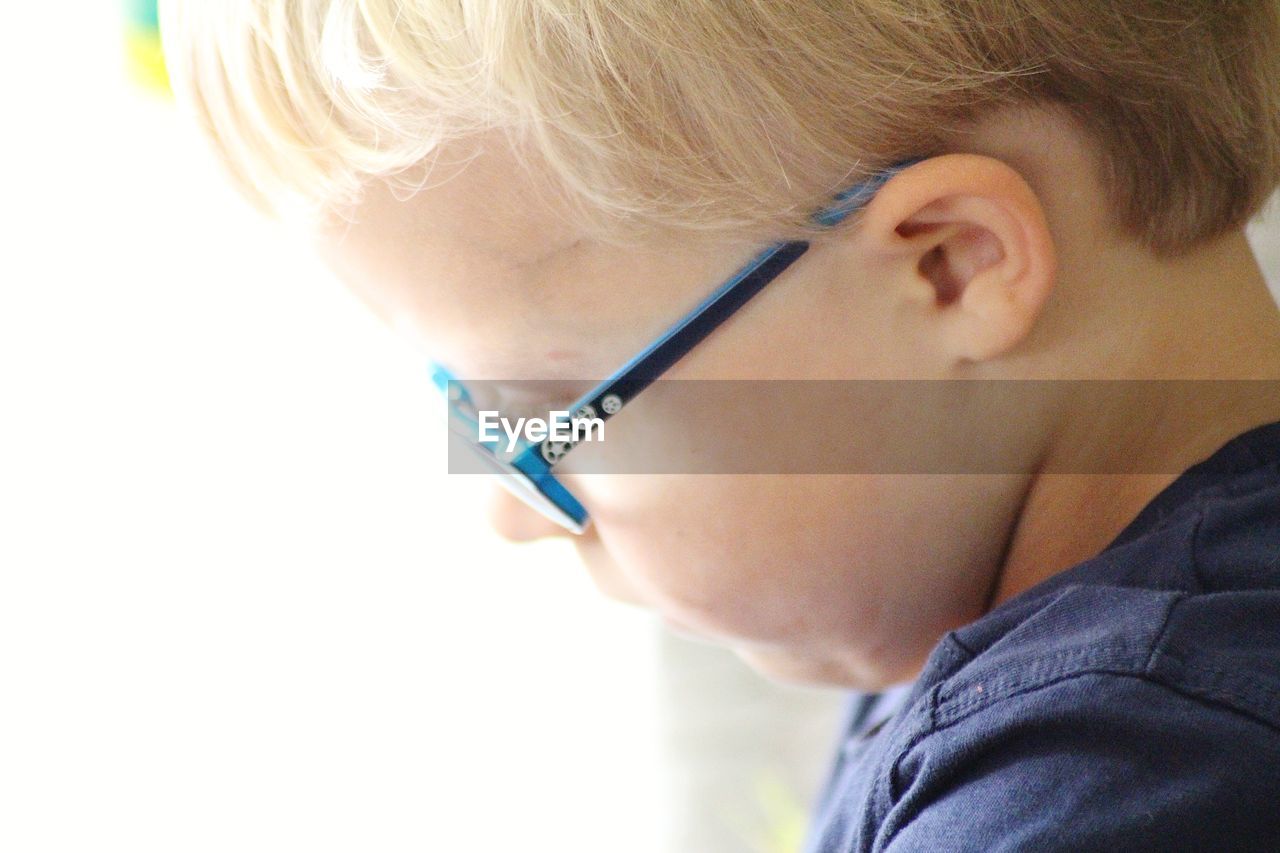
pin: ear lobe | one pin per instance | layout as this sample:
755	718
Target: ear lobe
978	255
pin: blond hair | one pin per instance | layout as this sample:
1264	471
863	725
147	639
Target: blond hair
736	115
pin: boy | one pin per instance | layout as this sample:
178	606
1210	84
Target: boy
1048	191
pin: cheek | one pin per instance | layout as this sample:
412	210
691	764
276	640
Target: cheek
737	557
670	537
861	573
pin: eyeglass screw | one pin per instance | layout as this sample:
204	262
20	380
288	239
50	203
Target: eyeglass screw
553	450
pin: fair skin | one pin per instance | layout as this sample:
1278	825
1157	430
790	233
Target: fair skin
994	262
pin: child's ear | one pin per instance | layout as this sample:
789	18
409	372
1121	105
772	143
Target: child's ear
974	246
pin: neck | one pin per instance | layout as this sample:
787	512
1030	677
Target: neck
1227	326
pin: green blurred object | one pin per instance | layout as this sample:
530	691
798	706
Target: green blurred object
143	13
142	44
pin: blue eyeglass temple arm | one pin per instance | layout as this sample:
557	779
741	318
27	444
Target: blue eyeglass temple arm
608	398
677	341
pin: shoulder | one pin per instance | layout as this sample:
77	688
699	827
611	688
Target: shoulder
1191	603
1106	718
1090	760
1220	646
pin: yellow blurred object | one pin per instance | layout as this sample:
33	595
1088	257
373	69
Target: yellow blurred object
786	815
775	820
145	58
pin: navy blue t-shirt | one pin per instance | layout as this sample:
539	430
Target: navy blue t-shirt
1131	702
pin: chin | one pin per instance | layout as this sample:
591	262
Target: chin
685	632
807	670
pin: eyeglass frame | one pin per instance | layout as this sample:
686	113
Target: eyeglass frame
533	465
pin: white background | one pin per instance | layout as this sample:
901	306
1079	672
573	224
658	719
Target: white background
240	606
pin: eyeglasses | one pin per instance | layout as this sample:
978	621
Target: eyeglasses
527	472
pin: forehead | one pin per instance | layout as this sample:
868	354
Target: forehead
485	266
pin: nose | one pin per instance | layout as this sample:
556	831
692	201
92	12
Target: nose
517	522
